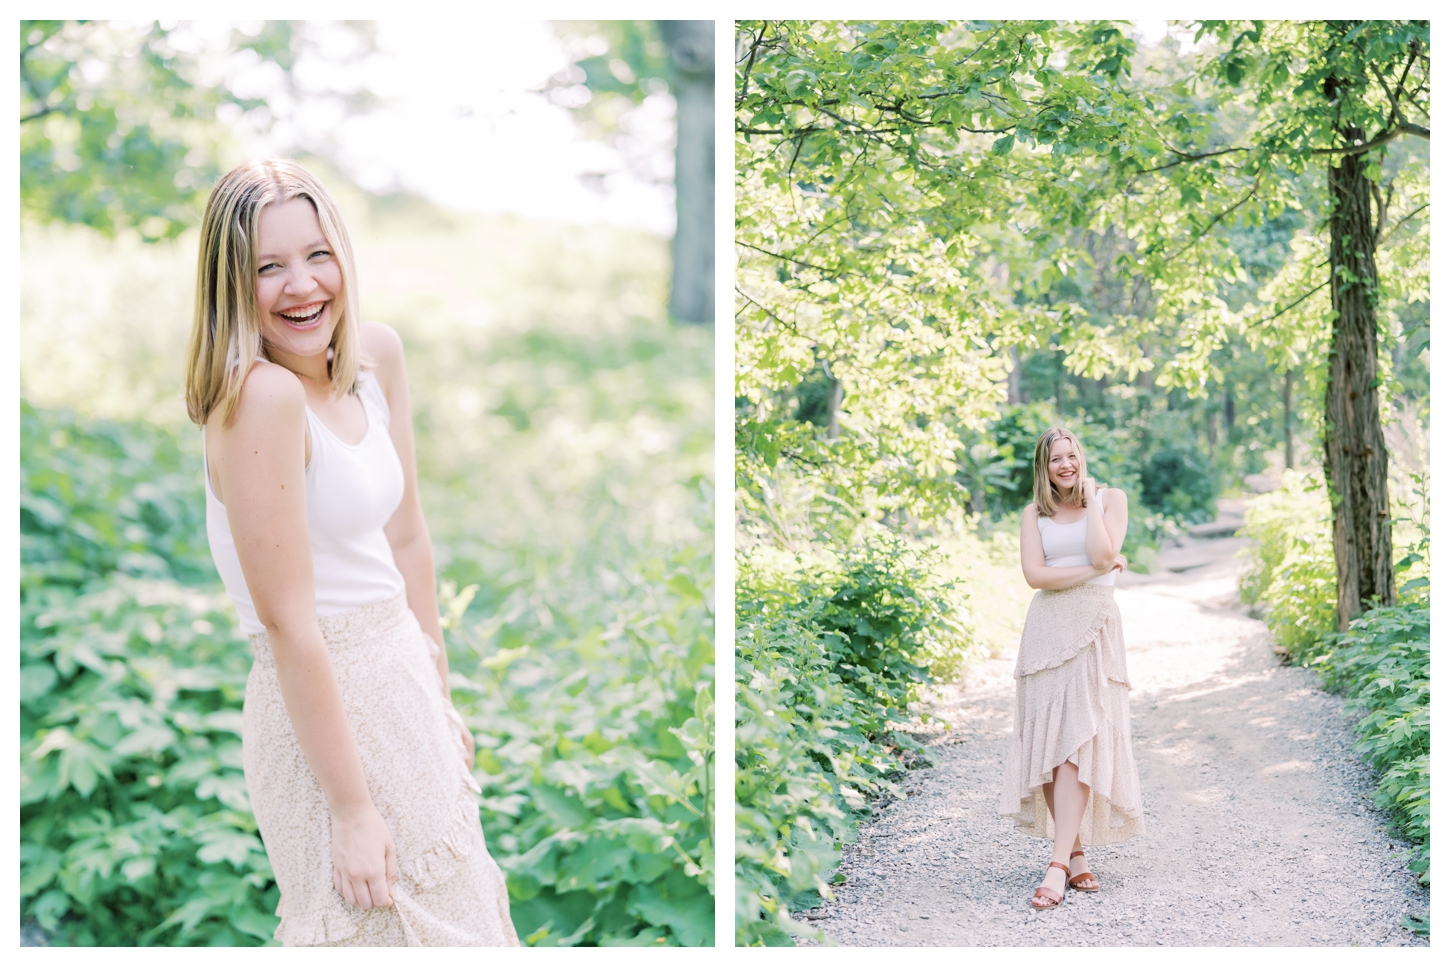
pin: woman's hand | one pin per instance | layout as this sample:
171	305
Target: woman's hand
1089	489
364	862
1119	564
469	747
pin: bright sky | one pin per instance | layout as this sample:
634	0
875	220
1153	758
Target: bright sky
461	125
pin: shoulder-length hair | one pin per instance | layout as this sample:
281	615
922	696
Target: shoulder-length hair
226	331
1044	493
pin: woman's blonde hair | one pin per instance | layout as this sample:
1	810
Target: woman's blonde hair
226	331
1044	494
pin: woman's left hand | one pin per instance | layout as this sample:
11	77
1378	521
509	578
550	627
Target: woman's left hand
469	747
465	737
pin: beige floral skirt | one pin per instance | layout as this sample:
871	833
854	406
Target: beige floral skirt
1072	706
450	892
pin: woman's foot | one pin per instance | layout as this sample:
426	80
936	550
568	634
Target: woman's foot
1079	876
1054	885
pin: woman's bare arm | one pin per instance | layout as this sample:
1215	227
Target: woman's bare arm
407	531
1034	561
1107	525
260	461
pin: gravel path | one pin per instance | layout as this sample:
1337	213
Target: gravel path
1260	824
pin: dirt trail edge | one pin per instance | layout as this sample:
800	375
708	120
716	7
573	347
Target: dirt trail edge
1260	823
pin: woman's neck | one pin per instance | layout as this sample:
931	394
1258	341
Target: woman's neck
314	369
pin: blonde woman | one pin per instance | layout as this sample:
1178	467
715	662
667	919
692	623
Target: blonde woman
357	765
1070	771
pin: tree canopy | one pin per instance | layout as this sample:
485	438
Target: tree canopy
128	125
918	199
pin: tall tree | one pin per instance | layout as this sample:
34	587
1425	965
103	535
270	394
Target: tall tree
623	62
1341	92
691	46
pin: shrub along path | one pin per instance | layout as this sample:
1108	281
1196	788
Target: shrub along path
1260	824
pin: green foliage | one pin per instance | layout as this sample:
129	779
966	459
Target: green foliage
829	655
1178	482
1381	663
135	827
120	123
917	201
1291	576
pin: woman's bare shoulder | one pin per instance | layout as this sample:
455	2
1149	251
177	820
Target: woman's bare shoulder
1116	496
270	389
271	396
381	341
1029	513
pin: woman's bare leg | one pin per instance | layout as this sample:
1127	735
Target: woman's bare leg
1067	801
1078	864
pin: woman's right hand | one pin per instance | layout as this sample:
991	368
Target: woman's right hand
364	861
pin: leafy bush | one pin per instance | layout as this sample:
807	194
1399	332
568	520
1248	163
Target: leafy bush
1383	665
1178	482
829	656
1299	508
596	761
135	827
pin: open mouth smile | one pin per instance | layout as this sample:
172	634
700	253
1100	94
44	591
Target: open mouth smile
302	317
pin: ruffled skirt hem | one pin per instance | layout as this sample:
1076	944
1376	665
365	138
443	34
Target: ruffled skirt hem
1072	706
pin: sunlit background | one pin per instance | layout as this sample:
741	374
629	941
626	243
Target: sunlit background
512	215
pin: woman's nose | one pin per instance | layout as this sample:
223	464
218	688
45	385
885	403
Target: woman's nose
299	281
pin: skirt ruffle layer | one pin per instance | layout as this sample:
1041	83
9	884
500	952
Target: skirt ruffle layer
450	892
1072	706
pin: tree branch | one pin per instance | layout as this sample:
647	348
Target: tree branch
783	324
38	114
749	65
1290	305
1253	190
786	258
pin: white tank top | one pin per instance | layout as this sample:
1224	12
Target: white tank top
1065	545
352	492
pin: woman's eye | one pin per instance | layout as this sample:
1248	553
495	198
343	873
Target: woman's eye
322	252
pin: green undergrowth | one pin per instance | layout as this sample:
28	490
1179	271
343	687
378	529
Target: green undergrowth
1381	664
134	823
831	650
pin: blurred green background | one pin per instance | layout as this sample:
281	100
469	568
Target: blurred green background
565	453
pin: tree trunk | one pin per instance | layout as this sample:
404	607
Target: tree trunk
1014	375
692	55
1288	419
1356	463
833	423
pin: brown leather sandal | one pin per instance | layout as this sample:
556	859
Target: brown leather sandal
1052	895
1072	881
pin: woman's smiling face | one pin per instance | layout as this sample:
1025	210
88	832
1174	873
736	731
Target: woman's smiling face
1062	464
299	280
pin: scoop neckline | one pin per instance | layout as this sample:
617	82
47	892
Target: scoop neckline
339	440
1056	524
